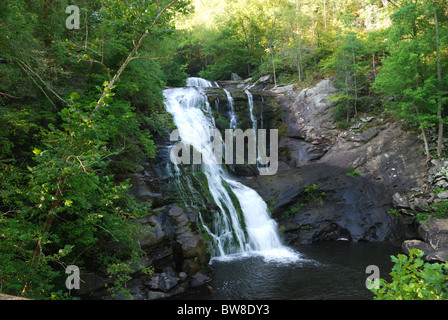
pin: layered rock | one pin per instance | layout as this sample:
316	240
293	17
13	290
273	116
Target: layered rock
434	240
385	156
175	250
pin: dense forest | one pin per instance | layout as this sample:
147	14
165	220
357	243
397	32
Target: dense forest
81	106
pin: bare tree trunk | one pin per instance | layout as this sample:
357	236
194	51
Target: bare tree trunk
355	81
271	49
439	78
299	49
425	141
325	14
346	94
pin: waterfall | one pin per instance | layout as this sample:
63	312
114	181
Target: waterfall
199	82
232	109
250	98
242	224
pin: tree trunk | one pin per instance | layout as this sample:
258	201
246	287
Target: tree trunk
439	79
425	141
325	15
355	81
299	49
271	49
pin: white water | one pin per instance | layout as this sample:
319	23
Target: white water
199	82
250	98
192	115
232	109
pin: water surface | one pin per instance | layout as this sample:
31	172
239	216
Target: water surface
325	271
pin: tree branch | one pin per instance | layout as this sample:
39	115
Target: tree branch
131	56
9	96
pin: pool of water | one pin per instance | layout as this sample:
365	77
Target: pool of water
324	271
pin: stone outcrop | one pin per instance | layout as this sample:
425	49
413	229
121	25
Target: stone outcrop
175	249
422	205
434	240
313	151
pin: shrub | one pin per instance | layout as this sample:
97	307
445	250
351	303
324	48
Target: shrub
413	279
352	172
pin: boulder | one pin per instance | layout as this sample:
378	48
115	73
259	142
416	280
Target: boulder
442	195
434	232
400	201
199	279
284	89
235	77
408	245
434	243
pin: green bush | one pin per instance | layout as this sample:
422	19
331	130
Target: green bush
352	172
414	279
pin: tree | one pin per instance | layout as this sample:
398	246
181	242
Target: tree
62	203
350	69
410	73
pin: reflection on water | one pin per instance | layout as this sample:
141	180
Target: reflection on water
325	271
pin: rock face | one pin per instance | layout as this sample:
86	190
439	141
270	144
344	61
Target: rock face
173	247
434	243
386	158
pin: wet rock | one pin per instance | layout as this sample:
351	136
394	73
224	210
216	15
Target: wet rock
265	79
199	279
90	282
437	256
153	234
154	295
356	126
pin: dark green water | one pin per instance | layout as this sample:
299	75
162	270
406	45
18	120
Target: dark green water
326	271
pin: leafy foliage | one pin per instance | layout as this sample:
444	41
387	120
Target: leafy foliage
61	199
414	279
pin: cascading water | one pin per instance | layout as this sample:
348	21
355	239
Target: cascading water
242	224
232	109
250	98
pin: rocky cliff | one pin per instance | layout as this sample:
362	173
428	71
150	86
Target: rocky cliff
335	183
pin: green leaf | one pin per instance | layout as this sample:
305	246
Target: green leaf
74	96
